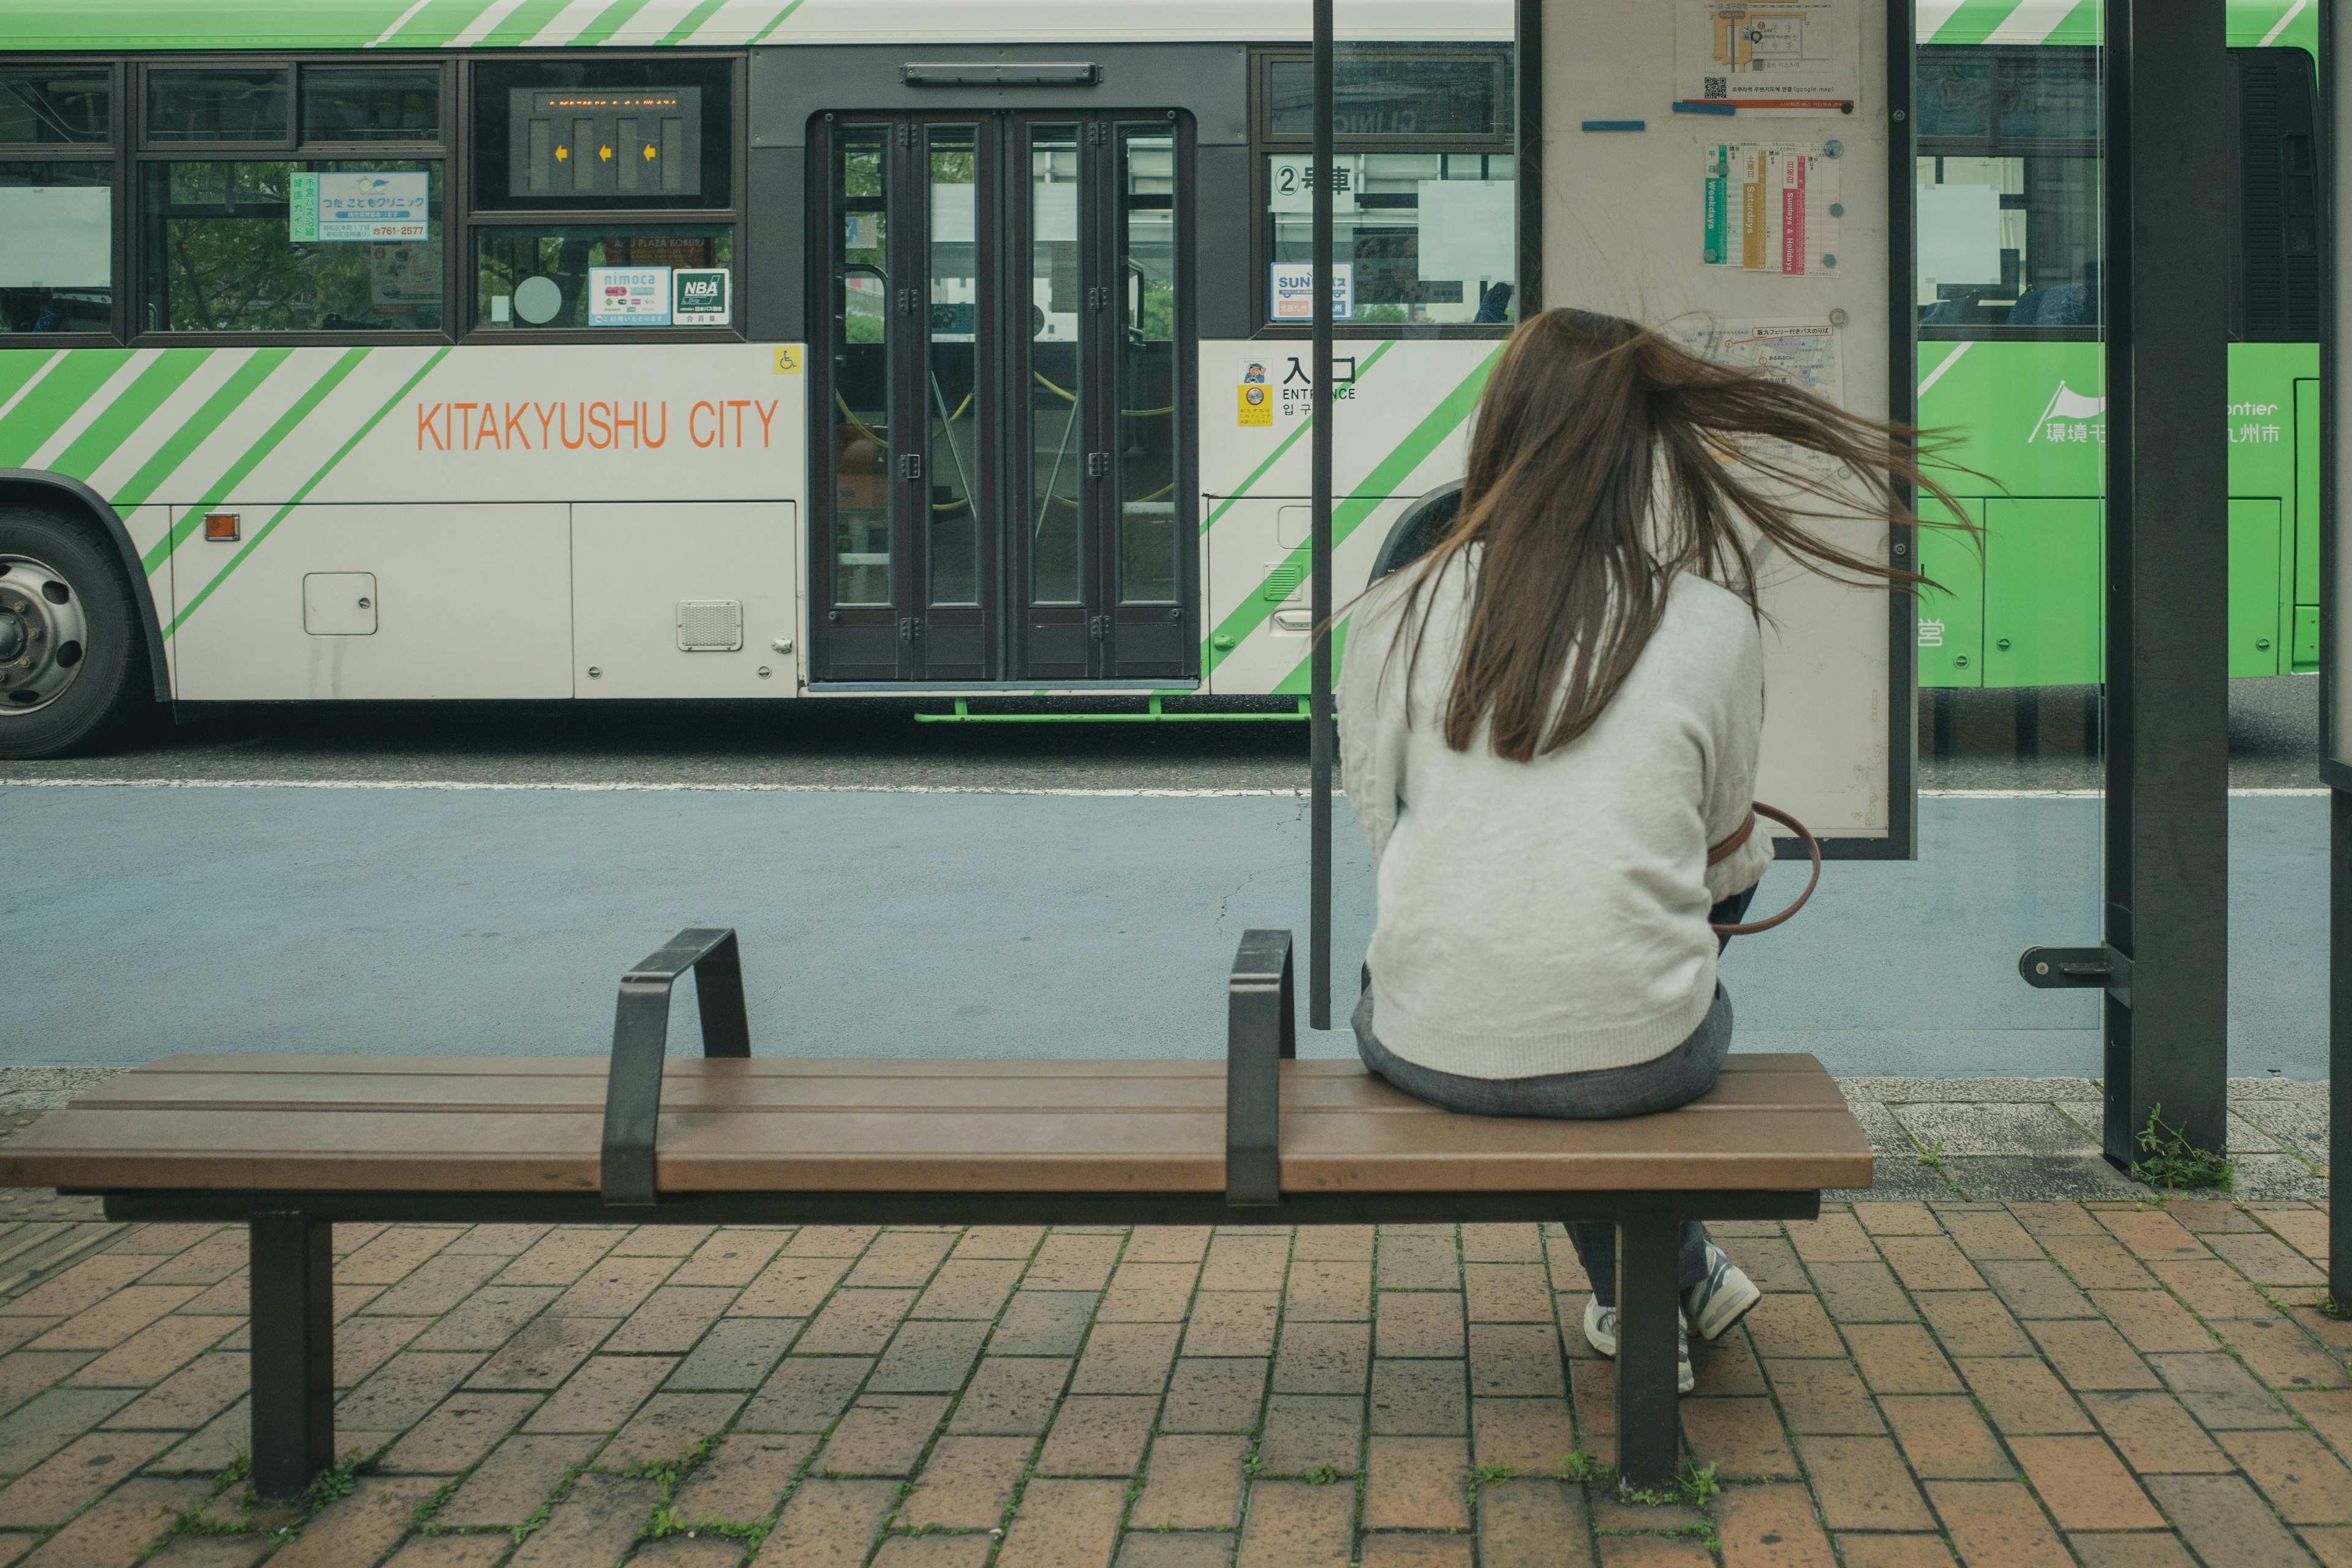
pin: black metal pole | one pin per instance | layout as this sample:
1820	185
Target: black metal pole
1318	945
2333	19
2170	127
2339	1034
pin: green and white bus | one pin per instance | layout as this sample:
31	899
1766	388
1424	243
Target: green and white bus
782	349
754	349
2009	235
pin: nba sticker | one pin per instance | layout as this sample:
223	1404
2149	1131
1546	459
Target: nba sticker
699	296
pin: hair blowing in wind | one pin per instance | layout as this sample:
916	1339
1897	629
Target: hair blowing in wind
1599	468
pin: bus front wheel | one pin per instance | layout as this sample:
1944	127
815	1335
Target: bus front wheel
73	661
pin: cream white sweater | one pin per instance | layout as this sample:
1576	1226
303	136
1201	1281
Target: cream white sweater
1551	916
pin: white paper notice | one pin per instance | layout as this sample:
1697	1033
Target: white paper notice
56	237
1467	229
1959	233
1799	55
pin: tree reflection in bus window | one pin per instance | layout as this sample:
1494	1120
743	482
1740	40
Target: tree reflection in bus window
861	369
1146	370
1057	459
220	259
952	372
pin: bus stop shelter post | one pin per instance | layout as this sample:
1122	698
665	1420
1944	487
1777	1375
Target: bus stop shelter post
2335	735
1318	962
2170	132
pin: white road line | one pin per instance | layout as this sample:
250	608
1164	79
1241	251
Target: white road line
618	787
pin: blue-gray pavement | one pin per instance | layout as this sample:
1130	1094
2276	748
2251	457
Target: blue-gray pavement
145	921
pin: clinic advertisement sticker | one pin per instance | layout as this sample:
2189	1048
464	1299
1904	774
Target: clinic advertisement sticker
629	296
699	297
377	207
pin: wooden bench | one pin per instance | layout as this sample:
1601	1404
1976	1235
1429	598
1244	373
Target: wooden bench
288	1146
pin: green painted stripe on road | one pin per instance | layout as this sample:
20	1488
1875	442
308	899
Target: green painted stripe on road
44	413
105	435
184	442
224	487
1370	490
1289	441
344	367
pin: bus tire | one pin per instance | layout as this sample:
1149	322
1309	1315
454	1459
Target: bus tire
73	659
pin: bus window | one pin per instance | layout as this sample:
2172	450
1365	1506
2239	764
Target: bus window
220	104
259	246
67	106
402	104
560	144
1422	207
2009	224
538	275
56	201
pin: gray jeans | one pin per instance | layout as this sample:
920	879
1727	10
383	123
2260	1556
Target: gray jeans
1679	1077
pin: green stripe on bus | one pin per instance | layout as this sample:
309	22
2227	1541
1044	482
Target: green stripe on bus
524	23
438	23
226	486
761	36
693	18
1289	441
342	368
184	442
20	366
609	21
107	433
1372	488
45	412
1974	22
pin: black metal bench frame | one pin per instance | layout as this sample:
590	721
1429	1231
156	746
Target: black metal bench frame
292	1272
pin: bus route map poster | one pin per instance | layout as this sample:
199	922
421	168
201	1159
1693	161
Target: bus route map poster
1804	56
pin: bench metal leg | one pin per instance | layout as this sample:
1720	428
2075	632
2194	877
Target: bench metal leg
293	1351
1649	1432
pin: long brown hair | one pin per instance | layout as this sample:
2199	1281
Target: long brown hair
1599	468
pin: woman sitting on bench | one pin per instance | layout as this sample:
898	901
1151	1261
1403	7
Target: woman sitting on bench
1549	726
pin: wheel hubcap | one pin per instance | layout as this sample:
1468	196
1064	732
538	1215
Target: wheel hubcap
43	636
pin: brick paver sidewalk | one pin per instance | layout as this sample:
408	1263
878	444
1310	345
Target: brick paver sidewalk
2109	1384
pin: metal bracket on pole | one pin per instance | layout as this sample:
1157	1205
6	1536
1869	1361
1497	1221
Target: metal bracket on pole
641	1036
1261	1034
2100	968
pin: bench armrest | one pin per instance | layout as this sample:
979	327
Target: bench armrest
641	1039
1261	1033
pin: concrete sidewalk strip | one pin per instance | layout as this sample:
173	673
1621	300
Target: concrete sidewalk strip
2004	1354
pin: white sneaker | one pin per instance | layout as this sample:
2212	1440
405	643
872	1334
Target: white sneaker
1720	1300
1600	1333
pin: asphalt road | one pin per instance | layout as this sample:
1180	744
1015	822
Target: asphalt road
1989	739
147	920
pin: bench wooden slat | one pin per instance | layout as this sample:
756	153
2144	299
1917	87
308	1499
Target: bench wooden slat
782	1125
521	1086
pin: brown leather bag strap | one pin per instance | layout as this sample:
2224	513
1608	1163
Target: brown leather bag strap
1730	847
1751	928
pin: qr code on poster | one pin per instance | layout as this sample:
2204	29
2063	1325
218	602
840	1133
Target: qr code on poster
1717	87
